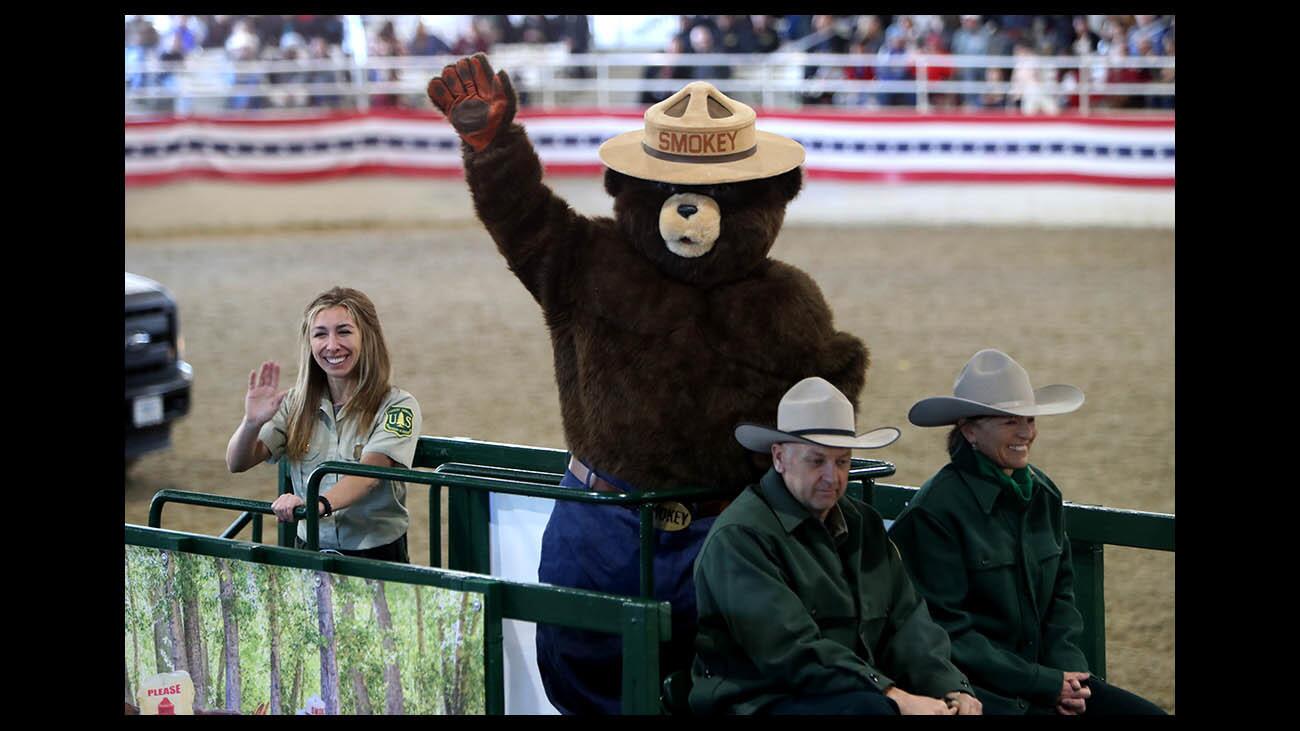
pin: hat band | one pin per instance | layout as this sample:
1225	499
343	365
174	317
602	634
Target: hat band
1011	404
835	432
670	157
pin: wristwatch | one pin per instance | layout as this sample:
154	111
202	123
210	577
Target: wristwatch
328	508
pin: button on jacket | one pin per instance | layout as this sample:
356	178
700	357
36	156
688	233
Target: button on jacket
996	573
789	609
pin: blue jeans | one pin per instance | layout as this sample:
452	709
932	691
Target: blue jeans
595	547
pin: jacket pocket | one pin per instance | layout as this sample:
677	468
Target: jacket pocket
833	613
308	463
992	573
990	558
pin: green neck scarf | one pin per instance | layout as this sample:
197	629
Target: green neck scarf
1019	482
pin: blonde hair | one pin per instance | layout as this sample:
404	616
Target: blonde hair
372	371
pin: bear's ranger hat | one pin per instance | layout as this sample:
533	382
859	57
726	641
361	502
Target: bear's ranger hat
814	412
992	384
699	136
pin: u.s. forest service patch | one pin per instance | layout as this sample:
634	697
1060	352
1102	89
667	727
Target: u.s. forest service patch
398	420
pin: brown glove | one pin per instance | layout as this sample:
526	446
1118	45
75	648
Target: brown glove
477	103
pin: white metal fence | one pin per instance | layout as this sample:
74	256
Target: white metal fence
548	76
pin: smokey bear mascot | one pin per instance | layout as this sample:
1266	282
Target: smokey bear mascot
669	323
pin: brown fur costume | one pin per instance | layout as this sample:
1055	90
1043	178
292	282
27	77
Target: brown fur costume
658	357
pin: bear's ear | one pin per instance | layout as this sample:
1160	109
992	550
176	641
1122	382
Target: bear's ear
788	184
614	182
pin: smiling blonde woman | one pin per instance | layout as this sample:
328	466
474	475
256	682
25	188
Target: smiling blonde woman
341	408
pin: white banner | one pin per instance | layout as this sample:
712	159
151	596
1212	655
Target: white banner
974	148
515	525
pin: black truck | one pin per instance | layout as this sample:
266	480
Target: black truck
158	379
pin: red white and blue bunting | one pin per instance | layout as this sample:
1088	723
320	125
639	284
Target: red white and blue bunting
975	148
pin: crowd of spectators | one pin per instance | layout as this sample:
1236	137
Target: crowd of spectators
239	38
1102	39
896	40
314	38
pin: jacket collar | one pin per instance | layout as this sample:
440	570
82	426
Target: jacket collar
789	511
986	490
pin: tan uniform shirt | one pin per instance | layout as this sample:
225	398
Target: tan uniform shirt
378	518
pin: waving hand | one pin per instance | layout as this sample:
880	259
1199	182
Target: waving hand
477	102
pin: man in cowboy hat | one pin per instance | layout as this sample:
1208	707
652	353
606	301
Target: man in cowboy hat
984	541
804	603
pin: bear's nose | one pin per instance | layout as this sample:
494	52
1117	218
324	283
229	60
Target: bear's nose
686	210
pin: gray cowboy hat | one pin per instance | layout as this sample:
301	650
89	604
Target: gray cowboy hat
814	412
992	384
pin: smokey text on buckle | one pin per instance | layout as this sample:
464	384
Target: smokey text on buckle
671	516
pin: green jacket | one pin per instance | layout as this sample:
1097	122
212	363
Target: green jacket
787	610
996	573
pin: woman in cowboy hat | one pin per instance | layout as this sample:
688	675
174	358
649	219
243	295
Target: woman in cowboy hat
984	543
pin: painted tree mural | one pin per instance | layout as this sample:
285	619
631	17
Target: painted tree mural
188	578
252	635
329	668
132	631
175	636
352	638
269	582
230	627
392	671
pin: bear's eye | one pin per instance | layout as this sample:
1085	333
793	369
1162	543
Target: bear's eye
667	189
724	195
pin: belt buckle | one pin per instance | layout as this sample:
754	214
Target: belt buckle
671	516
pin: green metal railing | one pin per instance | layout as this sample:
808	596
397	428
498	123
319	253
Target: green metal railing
486	485
1091	528
642	624
472	470
253	509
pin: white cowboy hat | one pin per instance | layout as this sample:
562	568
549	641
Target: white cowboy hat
814	412
992	384
699	136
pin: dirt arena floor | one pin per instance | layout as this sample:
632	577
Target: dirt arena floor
1092	307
